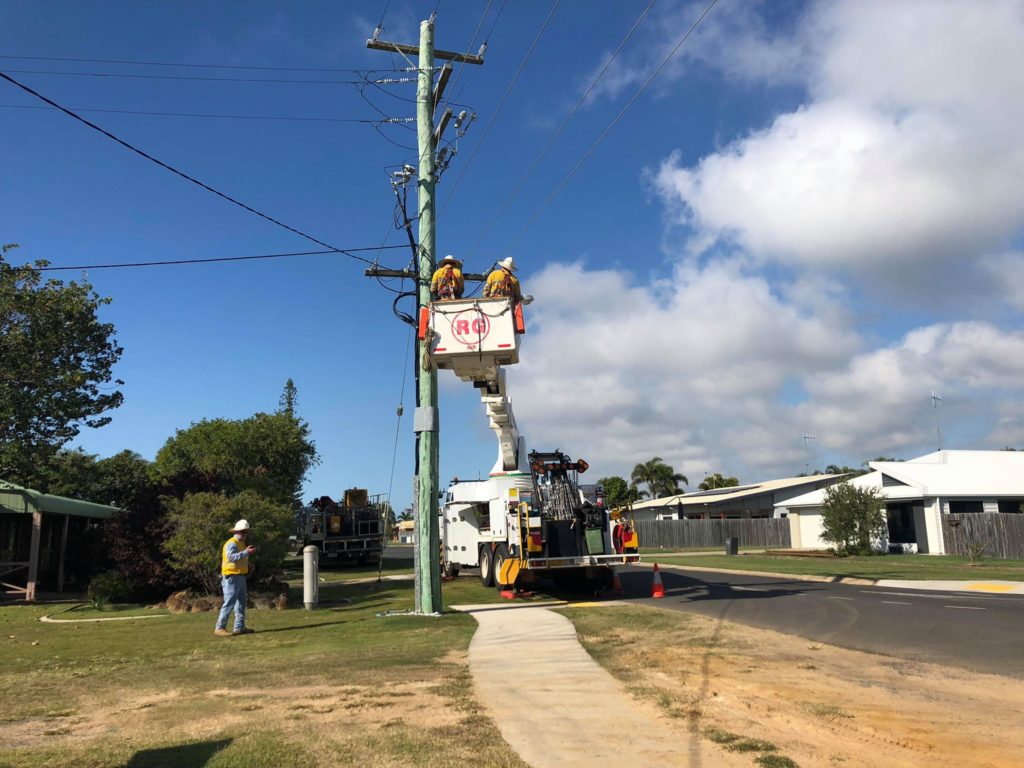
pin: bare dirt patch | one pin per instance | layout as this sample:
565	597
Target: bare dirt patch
816	704
181	714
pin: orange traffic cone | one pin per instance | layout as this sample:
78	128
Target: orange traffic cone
657	588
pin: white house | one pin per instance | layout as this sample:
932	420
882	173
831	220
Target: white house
919	492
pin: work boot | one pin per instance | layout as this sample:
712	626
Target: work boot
243	631
221	632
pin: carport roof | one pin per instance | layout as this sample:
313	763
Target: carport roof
719	495
16	499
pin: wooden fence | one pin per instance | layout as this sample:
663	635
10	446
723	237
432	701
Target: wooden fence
766	533
1001	533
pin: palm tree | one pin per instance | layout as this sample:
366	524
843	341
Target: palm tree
711	482
659	477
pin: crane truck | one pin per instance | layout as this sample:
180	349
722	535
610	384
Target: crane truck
528	519
352	531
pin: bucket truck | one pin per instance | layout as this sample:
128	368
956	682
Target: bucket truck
528	519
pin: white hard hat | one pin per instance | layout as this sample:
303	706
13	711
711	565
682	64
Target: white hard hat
450	258
508	263
241	525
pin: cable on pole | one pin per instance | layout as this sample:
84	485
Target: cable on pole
219	259
199	66
508	90
174	170
138	76
364	121
558	132
611	125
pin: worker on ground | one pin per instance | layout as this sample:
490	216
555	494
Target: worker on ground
501	283
234	565
447	282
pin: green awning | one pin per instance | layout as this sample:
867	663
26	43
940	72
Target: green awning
14	498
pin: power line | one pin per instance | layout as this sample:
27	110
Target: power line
611	125
173	170
557	133
472	42
135	76
219	259
199	66
379	121
487	40
508	90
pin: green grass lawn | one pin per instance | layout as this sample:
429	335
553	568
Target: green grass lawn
874	567
340	686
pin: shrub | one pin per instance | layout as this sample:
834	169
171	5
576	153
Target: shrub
852	518
110	587
201	524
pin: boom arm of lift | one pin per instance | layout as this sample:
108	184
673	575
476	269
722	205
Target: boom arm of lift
511	445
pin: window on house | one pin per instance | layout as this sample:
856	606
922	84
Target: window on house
965	507
1010	506
901	524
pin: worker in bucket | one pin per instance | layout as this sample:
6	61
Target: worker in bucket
447	282
234	565
501	283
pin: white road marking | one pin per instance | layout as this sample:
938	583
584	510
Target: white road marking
749	589
895	602
836	597
966	607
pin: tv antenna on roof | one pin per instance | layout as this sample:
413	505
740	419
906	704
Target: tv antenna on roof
807	449
935	407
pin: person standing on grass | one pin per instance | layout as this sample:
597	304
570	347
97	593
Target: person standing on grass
234	565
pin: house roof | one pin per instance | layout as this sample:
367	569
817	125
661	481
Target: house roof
943	473
721	495
406	525
16	499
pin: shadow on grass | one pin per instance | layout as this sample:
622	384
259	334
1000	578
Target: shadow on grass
195	755
301	626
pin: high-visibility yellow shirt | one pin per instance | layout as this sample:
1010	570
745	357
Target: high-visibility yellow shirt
500	283
234	560
449	278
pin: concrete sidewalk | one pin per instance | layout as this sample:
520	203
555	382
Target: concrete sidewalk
557	707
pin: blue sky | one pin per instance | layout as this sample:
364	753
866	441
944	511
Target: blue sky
807	223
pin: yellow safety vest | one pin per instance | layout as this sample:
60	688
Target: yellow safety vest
237	568
501	283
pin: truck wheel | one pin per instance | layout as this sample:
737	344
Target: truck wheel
499	557
486	566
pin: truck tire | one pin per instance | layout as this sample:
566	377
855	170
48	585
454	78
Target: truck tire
499	557
486	566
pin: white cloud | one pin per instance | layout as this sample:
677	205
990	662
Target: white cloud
630	371
908	152
882	398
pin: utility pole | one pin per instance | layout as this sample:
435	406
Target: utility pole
426	422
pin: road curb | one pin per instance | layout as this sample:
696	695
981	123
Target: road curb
857	581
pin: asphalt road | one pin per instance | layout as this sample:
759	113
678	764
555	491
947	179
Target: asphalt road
984	633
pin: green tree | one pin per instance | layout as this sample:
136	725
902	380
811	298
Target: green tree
201	523
72	473
617	492
56	358
711	482
265	453
289	399
660	479
836	469
852	518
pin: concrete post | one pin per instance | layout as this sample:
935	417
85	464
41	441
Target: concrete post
310	577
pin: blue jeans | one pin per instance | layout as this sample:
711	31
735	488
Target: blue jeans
235	597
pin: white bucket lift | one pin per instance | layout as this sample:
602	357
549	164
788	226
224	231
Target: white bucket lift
474	338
